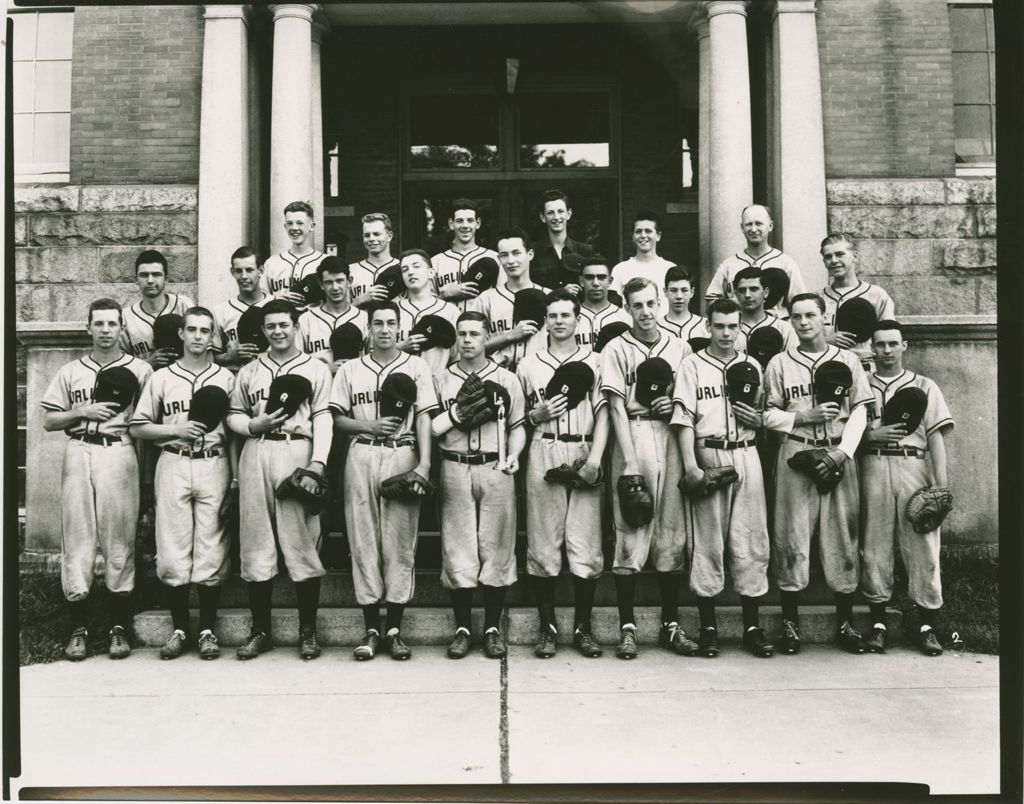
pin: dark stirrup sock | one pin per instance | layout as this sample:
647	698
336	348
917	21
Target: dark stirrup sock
706	609
307	594
209	599
544	594
926	616
78	611
844	607
462	607
371	617
259	605
668	586
394	615
790	604
177	602
878	612
625	591
494	604
749	607
584	590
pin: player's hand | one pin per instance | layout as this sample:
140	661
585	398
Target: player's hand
747	415
265	422
413	344
573	288
456	291
293	298
375	293
662	406
335	365
159	358
823	469
189	431
589	471
308	483
523	330
385	426
242	352
693	476
228	506
511	465
844	340
99	411
550	409
822	413
886	434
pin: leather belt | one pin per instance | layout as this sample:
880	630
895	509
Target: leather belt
644	417
96	438
570	437
470	459
900	452
402	441
816	442
717	443
283	437
213	452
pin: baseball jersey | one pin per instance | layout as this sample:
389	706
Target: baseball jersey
621	357
362	274
789	339
835	297
316	326
485	437
73	387
721	284
497	304
225	318
631	268
137	334
356	389
702	399
936	414
252	387
280	270
590	323
449	265
694	327
409	314
167	398
789	386
536	371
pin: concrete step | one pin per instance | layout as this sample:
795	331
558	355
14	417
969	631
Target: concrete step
426	626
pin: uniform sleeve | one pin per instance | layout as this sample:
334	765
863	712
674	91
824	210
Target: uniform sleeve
185	303
887	309
124	341
426	394
613	371
239	400
789	339
303	341
477	305
321	391
773	384
340	399
936	415
516	402
58	393
715	288
796	280
148	411
526	384
217	344
684	395
860	391
597	399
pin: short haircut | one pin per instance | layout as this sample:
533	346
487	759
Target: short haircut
105	304
595	259
648	215
677	273
750	272
765	207
838	237
722	307
300	206
473	315
332	264
374	217
888	323
280	306
198	311
244	252
150	256
465	203
561	294
510	233
415	252
554	195
814	297
382	305
635	285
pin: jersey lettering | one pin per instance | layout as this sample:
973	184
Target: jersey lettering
256	396
709	392
171	408
500	325
798	391
364	397
79	396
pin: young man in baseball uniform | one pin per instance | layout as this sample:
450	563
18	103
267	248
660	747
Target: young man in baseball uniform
509	342
382	532
549	252
893	465
192	479
840	257
246	271
300	260
801	511
99	479
712	430
449	265
317	323
275	445
420	301
678	320
645	262
377	236
643	445
137	332
750	292
756	224
478	495
556	516
596	309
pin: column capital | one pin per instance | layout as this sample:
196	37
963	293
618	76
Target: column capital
243	13
794	7
699	23
715	7
321	26
302	11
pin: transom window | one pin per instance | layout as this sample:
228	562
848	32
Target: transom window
974	85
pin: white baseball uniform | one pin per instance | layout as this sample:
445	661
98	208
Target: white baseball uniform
590	323
884	309
137	334
280	270
497	304
409	315
721	284
362	275
449	267
632	268
225	317
316	325
789	339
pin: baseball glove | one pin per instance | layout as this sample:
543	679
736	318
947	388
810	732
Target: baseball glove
927	507
569	476
635	501
407	486
807	460
291	488
714	478
473	406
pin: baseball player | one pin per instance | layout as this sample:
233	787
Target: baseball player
449	265
646	262
478	495
750	291
137	332
556	516
382	532
801	510
549	252
678	320
596	309
377	236
715	429
317	323
301	259
420	301
643	445
894	464
99	478
510	342
275	445
756	224
840	257
192	479
246	271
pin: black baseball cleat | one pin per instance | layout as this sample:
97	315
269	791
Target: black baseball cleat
850	639
459	646
367	648
545	647
175	645
789	639
494	647
626	648
673	638
586	644
257	643
76	649
309	645
119	647
756	642
875	640
929	643
208	648
707	642
399	650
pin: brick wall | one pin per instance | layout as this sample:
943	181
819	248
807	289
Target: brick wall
135	92
887	87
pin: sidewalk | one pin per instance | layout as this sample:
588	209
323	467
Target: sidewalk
819	716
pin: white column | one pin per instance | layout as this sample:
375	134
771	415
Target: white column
320	27
731	157
224	189
291	161
704	153
800	136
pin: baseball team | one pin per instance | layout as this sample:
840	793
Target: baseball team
537	380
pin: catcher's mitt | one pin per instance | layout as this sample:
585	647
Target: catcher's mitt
291	488
409	485
807	460
928	507
635	501
714	478
569	476
472	406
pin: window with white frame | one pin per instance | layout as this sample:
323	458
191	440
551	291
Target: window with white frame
974	86
41	103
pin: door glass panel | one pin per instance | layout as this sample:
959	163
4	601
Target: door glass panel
453	131
431	212
564	130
